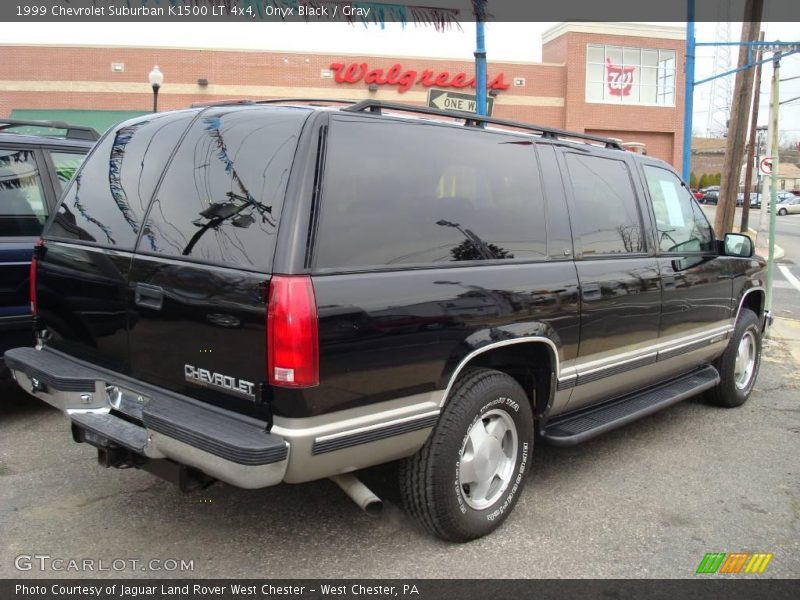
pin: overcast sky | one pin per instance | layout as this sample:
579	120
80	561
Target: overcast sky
504	41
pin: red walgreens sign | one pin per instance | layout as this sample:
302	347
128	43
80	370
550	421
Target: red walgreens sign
619	79
404	79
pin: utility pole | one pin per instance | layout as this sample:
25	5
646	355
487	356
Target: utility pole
773	191
734	148
751	155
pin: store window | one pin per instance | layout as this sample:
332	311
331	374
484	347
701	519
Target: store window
630	75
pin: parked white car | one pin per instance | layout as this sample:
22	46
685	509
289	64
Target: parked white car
789	204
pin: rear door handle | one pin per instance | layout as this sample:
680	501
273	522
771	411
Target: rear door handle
591	291
149	296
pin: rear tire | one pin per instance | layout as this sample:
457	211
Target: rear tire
783	212
466	479
738	366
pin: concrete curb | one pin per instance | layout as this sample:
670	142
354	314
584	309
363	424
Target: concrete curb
788	332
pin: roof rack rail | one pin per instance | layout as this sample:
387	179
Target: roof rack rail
204	104
308	100
72	132
472	120
271	101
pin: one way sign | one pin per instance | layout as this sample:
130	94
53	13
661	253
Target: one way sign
447	100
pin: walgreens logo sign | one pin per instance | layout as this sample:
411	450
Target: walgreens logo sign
405	78
619	79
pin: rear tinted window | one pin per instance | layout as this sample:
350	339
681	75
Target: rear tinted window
399	192
606	218
221	197
22	207
108	198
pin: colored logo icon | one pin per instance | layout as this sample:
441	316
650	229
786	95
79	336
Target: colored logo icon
734	563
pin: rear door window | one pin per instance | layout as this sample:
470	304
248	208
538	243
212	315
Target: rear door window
221	197
23	210
406	193
65	165
606	219
107	201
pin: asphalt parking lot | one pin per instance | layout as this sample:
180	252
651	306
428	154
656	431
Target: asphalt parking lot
645	501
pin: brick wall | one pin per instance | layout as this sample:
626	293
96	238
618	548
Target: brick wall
226	71
707	163
553	95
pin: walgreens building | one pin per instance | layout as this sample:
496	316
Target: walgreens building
620	80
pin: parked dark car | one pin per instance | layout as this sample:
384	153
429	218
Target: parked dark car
37	159
282	292
711	197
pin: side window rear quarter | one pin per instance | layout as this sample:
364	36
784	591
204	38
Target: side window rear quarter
23	191
400	192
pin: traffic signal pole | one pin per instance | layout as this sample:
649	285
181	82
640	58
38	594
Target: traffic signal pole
480	67
688	96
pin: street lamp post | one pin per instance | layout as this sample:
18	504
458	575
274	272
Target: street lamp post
156	78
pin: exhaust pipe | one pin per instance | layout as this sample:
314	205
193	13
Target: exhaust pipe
359	493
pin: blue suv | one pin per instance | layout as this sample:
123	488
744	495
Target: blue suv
37	160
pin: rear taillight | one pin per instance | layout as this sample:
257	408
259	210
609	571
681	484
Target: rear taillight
37	250
292	332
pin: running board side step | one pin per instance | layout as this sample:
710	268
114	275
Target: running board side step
574	428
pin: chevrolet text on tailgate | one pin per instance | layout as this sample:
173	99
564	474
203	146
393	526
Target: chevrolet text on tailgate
282	291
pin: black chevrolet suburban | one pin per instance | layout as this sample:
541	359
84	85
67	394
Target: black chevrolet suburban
282	291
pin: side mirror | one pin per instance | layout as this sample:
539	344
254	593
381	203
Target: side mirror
737	244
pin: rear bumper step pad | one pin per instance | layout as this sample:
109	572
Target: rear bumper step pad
220	435
575	428
51	369
212	431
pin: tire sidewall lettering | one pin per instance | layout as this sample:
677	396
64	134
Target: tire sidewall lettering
509	499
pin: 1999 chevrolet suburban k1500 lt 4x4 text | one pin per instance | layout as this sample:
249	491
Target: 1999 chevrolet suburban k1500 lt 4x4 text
285	291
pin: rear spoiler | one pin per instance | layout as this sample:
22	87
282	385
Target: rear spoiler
72	132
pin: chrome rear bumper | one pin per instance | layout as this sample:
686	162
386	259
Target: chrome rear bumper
156	423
